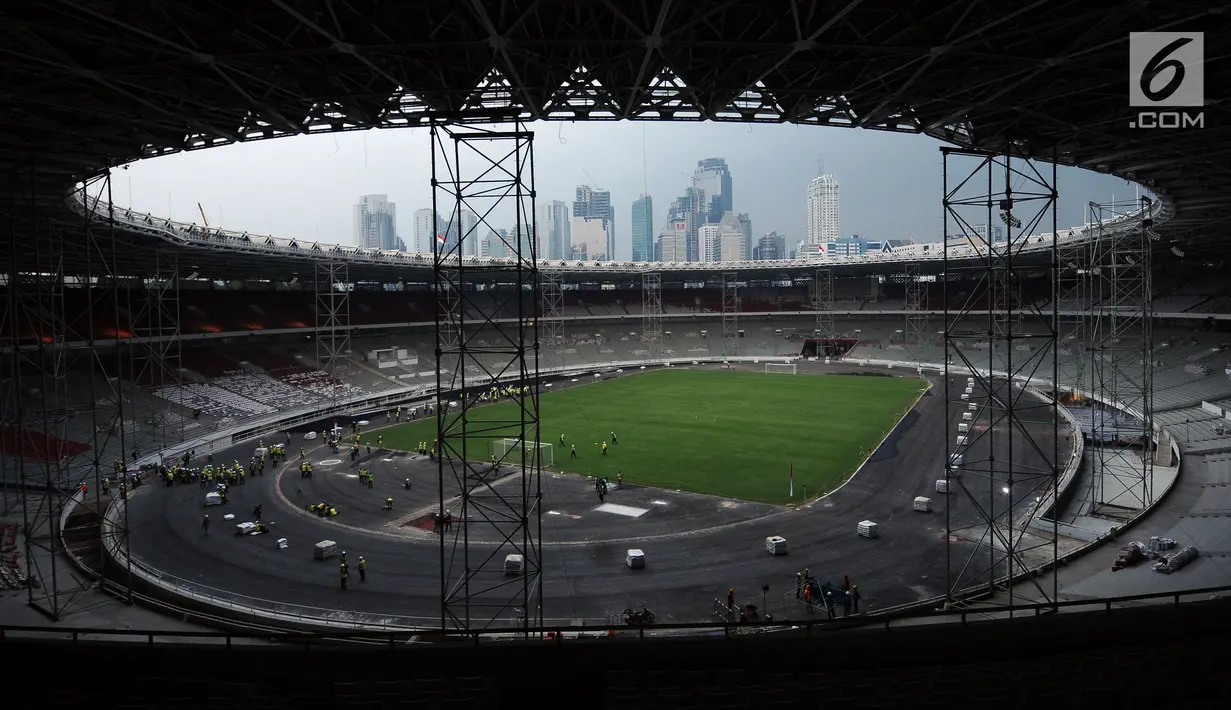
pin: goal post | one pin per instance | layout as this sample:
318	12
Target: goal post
781	368
508	451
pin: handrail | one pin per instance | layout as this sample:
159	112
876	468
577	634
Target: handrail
729	630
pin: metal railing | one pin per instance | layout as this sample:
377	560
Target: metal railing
882	623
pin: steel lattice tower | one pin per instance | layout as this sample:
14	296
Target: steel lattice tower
822	301
1009	471
1121	349
332	327
652	315
730	315
1072	275
551	337
487	334
65	406
916	332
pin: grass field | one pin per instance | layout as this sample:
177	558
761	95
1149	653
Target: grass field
733	434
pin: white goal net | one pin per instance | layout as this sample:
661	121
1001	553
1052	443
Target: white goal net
509	451
781	368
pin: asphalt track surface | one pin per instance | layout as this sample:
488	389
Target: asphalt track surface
697	547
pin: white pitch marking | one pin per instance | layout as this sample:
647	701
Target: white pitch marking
659	502
329	462
626	510
554	512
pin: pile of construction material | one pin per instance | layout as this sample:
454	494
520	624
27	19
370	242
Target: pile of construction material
867	528
1176	561
923	504
1130	555
942	485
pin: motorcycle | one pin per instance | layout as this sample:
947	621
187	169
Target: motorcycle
645	617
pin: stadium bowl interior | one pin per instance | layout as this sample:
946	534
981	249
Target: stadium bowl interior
1089	421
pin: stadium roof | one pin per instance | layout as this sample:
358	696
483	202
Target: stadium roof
88	84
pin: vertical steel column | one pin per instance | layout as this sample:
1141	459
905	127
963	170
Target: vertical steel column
822	301
1010	444
730	315
1122	355
487	335
916	332
551	339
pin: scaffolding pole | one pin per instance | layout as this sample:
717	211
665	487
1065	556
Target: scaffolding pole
915	335
1121	356
1008	438
652	315
69	409
551	338
730	315
487	333
822	302
332	327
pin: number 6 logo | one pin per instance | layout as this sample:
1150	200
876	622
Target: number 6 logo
1159	63
1166	70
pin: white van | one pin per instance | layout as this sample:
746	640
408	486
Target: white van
513	564
776	545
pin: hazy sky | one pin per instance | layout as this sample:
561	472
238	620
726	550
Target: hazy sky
305	187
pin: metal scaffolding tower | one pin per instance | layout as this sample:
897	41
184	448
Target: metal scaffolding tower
64	404
154	353
1121	340
916	332
487	321
652	315
1008	438
730	315
1072	274
822	301
332	331
551	337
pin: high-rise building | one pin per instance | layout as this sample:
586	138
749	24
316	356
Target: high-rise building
745	228
426	228
713	178
594	223
554	230
823	210
710	238
496	244
770	247
673	241
687	209
643	228
375	224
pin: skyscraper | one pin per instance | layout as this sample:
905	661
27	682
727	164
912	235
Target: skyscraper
643	228
713	178
594	223
672	242
687	209
376	224
554	230
426	228
823	220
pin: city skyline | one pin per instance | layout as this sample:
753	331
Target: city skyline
277	187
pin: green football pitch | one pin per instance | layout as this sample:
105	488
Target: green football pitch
732	434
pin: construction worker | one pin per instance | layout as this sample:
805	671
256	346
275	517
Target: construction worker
343	558
204	524
371	480
604	448
620	479
799	583
614	440
808	597
388	504
344	573
573	452
363	569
